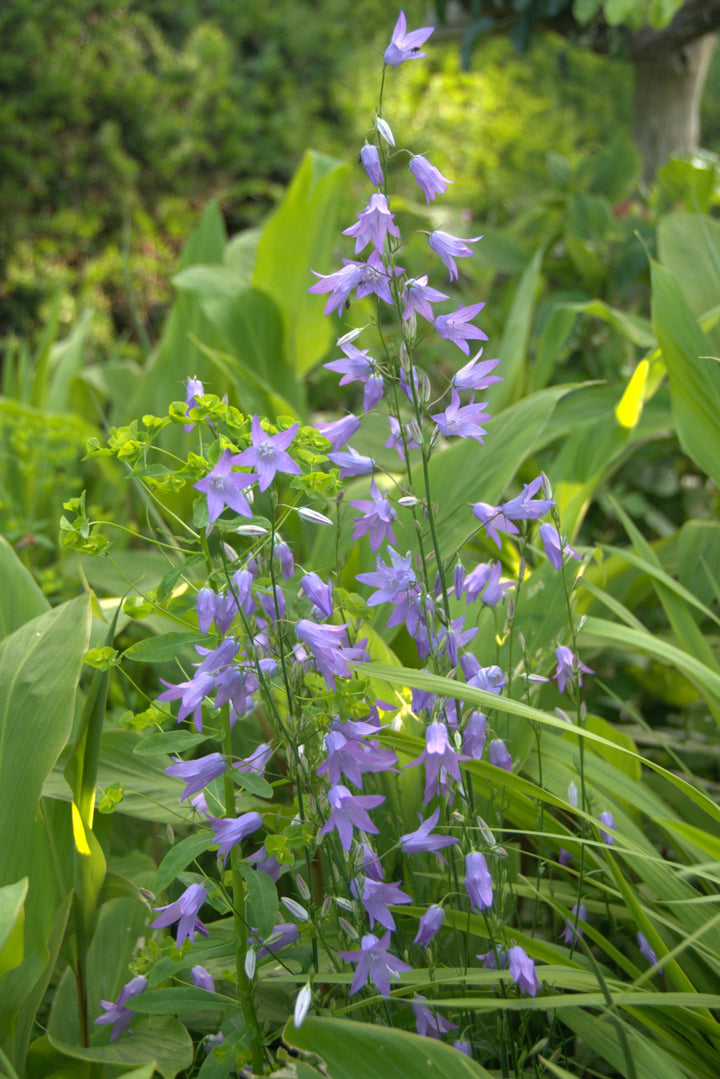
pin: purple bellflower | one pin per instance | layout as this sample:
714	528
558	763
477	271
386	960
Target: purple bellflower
339	432
572	932
474	736
223	487
462	421
116	1012
184	911
374	279
257	762
197	773
202	979
499	755
373	224
429	179
376	897
377	518
233	830
427	1023
478	882
456	327
339	284
374	962
522	971
374	388
494	520
475	375
319	593
608	820
568	667
370	161
555	546
267	453
191	693
193	389
440	759
328	646
351	463
421	839
356	367
353	757
449	248
647	951
429	925
405	46
349	811
525	507
418	296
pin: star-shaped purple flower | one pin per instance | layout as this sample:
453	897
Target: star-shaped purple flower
449	248
422	840
440	760
377	517
184	911
116	1012
429	179
349	811
456	326
462	421
223	487
374	223
405	46
374	962
267	453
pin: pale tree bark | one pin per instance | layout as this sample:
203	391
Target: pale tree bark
666	103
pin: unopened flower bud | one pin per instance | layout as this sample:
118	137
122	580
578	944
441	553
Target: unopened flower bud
408	501
347	929
349	337
250	958
383	128
546	486
485	832
326	905
302	887
344	904
302	1006
295	909
572	794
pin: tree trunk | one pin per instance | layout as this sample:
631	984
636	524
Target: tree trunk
666	107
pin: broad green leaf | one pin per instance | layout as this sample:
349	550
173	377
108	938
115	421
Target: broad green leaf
181	1000
39	668
160	1040
148	793
164	647
648	1060
361	1050
12	925
514	342
67	361
179	856
262	899
689	249
20	597
249	329
694	375
168	742
298	238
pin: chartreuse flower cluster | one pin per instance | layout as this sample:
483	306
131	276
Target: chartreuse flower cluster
311	812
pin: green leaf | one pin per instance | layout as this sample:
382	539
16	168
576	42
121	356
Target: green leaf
164	647
301	237
360	1050
262	899
694	375
168	742
179	856
39	668
514	343
252	783
20	597
160	1040
12	925
180	1001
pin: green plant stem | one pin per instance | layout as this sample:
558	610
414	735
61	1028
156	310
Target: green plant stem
239	912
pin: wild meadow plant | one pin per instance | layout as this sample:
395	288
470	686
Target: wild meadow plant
363	844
